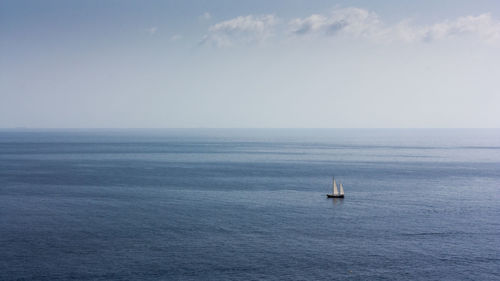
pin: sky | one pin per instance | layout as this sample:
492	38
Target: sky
249	64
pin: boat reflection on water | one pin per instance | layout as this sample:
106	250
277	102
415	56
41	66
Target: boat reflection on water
337	201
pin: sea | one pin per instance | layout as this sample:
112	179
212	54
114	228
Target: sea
249	204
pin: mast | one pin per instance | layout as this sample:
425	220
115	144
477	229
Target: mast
341	189
335	191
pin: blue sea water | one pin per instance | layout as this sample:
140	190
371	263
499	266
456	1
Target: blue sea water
234	204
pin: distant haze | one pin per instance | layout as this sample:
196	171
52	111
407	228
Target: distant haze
216	64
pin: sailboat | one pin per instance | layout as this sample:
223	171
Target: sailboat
336	193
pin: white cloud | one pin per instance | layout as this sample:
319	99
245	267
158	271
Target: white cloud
360	23
175	37
152	30
206	16
354	21
243	29
484	26
351	23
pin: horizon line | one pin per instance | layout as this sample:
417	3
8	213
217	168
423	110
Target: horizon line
235	128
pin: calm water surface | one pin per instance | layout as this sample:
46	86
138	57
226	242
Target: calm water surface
249	205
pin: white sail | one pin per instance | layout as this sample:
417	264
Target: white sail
335	191
341	189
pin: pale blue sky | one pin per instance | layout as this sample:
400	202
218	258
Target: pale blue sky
130	64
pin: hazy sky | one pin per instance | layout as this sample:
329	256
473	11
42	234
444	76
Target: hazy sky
249	63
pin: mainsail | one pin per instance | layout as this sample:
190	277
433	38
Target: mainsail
335	191
341	189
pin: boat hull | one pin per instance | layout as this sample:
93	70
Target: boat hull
334	196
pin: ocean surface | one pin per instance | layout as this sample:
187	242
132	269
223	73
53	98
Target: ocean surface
234	204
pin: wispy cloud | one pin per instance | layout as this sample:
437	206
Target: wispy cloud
355	21
175	37
351	23
206	16
483	26
360	23
152	30
244	29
